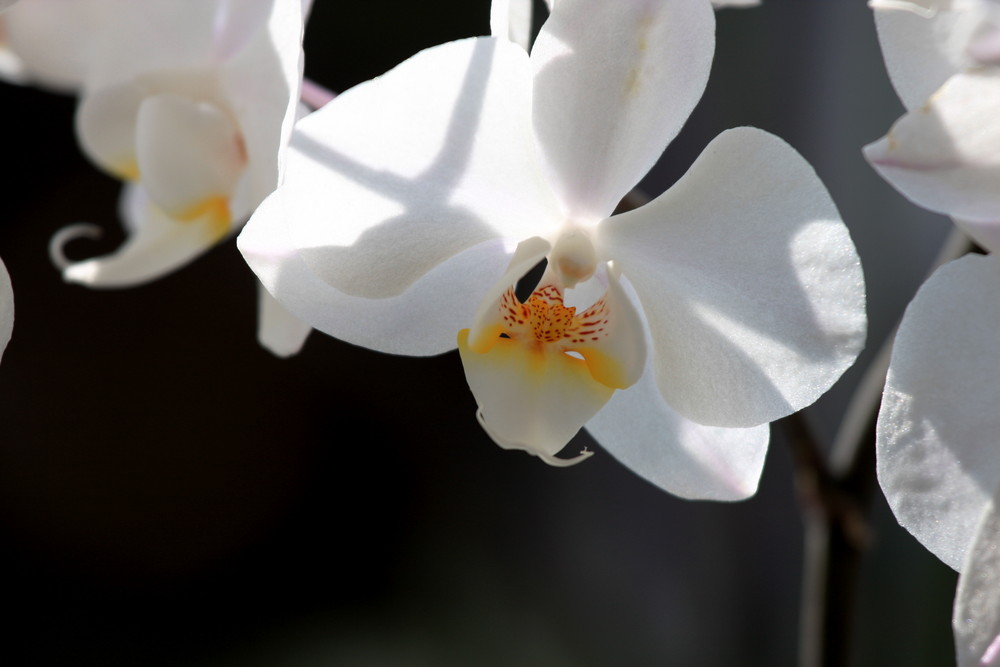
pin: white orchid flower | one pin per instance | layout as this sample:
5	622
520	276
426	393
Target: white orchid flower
191	103
944	154
936	433
6	308
936	439
731	300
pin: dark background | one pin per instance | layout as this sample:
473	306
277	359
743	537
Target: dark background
172	494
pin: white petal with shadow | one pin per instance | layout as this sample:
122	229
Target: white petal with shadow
749	281
938	424
923	43
945	155
614	83
423	320
676	454
405	171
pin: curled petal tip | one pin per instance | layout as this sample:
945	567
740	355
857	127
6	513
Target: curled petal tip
557	462
550	459
67	235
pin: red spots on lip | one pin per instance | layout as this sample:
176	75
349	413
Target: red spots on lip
545	319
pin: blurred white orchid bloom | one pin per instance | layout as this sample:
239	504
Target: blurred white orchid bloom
51	42
191	103
731	300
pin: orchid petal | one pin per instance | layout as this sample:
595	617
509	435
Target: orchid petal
237	22
945	156
937	428
190	154
56	41
155	35
614	83
512	19
6	308
11	67
986	234
985	46
260	83
278	330
924	42
157	244
531	398
676	454
421	321
402	172
976	617
105	126
748	279
106	118
615	349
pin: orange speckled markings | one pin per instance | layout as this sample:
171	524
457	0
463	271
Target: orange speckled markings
549	321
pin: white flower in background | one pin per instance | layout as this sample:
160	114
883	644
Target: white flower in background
191	103
414	202
6	308
944	154
50	42
938	462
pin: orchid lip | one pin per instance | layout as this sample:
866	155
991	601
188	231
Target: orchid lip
550	459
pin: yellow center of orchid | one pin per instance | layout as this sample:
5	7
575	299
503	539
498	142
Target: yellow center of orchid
539	369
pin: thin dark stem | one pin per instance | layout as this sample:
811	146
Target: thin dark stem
835	510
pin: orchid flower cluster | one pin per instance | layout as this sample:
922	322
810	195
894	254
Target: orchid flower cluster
471	198
936	439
